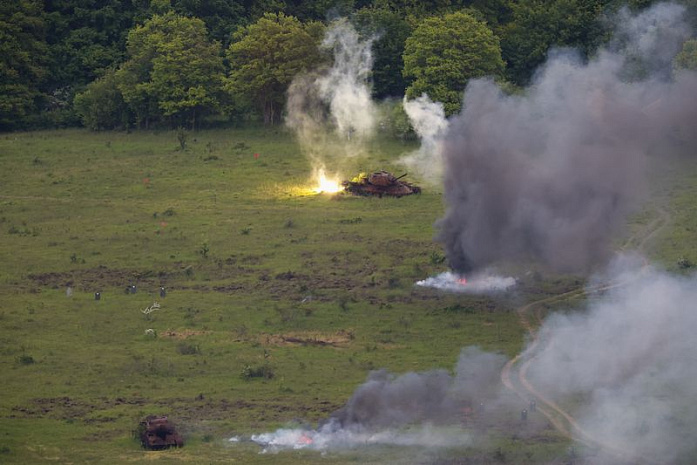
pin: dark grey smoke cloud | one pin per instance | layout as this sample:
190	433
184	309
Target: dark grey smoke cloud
552	174
385	400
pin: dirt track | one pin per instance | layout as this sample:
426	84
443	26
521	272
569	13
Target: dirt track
514	373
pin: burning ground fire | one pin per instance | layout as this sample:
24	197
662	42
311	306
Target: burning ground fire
326	185
332	437
477	284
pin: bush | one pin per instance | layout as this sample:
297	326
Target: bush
188	349
263	371
396	121
25	359
101	105
437	259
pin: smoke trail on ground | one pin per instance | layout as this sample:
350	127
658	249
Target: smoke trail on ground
330	110
414	409
330	437
385	400
552	174
478	283
628	360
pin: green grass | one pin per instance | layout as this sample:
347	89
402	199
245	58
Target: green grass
250	258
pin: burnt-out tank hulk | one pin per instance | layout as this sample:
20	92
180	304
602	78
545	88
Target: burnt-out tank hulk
380	183
157	433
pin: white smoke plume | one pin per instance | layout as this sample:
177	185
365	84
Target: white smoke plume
551	175
479	283
330	110
633	356
429	122
330	437
345	86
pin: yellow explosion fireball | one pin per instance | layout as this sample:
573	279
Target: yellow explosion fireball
326	185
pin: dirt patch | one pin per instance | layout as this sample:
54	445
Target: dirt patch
100	277
182	409
63	408
188	411
103	277
183	334
340	338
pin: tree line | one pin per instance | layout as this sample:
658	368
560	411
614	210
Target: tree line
150	63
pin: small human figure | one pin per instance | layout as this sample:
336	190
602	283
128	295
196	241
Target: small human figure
163	292
97	296
524	415
533	405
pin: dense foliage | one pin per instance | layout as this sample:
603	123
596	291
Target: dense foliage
22	65
687	58
266	56
137	63
173	70
445	52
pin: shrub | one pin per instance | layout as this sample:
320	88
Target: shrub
263	371
101	105
188	349
25	359
204	250
182	137
436	258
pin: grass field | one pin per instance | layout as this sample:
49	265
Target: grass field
278	303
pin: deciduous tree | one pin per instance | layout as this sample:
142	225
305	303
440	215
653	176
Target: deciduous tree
538	25
687	58
392	31
222	17
173	70
22	60
266	56
101	105
444	53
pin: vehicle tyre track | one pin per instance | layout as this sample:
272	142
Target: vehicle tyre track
514	373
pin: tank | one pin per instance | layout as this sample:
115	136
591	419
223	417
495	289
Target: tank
157	432
380	183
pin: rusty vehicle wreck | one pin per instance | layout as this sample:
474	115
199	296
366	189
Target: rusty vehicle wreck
380	183
157	433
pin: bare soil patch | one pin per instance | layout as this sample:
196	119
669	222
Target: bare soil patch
340	338
183	334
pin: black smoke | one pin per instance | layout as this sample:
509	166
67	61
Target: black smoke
551	174
386	400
